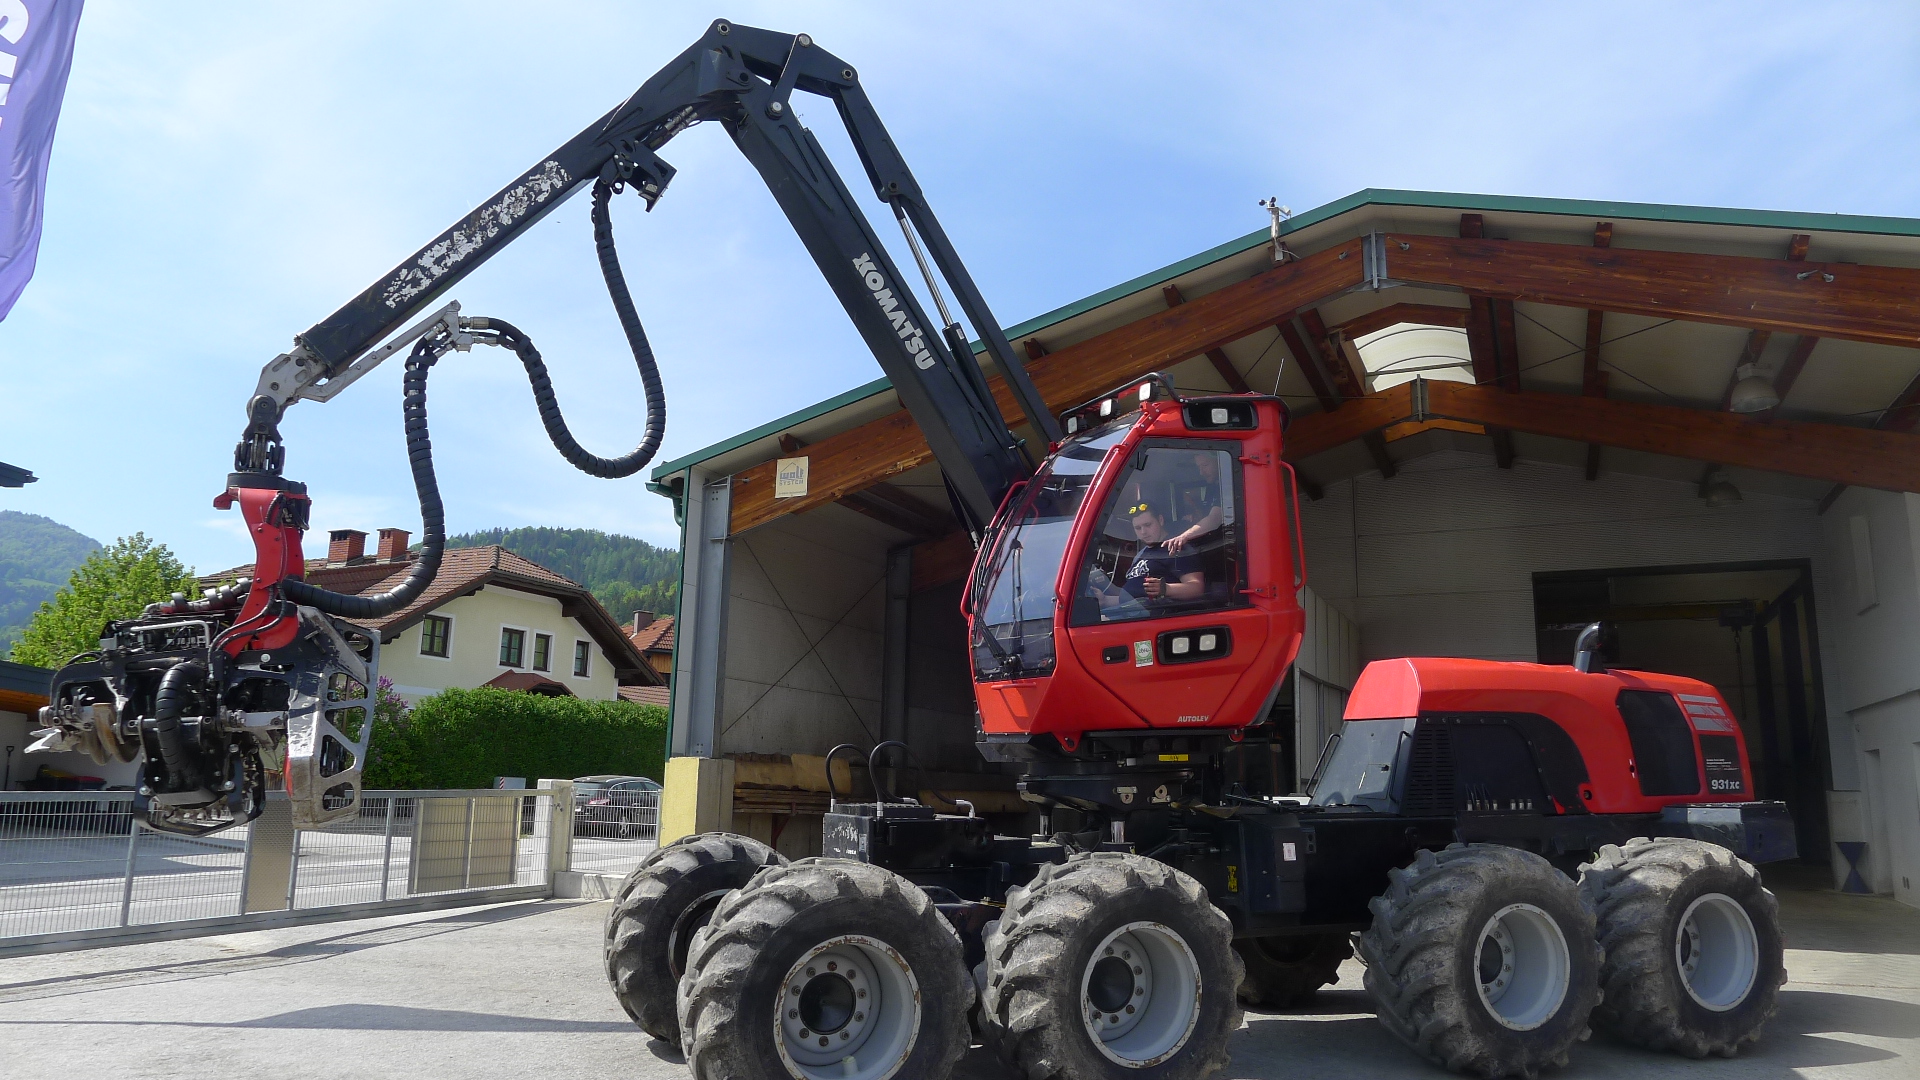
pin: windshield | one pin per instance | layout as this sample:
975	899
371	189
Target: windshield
1013	609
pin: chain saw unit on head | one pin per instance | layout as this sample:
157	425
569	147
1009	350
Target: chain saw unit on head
270	680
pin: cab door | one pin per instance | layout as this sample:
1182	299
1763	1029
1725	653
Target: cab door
1161	613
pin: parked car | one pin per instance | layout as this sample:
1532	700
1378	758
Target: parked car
627	807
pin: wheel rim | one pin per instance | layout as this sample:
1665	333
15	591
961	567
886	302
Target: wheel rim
1521	966
1140	994
1717	951
692	918
848	1010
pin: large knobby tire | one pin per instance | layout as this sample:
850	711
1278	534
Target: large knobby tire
660	905
1108	966
1694	954
1482	959
1284	972
822	961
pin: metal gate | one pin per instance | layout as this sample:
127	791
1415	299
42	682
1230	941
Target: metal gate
76	871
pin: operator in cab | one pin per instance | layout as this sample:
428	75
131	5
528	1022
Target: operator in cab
1157	575
1204	506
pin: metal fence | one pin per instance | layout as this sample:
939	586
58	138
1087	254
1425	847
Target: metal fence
75	868
611	834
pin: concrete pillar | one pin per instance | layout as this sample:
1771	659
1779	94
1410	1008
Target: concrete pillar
698	797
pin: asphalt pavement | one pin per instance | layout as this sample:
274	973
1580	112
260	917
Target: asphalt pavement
517	989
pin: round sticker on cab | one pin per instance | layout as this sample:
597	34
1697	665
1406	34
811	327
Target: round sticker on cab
1143	654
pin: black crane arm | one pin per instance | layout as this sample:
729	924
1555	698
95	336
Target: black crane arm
743	78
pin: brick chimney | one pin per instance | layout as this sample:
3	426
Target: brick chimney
641	620
344	545
393	544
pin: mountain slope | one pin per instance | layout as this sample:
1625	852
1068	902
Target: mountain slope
625	574
37	555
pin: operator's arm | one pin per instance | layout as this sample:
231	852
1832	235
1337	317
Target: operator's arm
1214	519
1191	586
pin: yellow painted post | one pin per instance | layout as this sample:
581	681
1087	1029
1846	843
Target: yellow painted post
698	797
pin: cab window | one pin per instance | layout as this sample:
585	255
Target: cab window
1170	540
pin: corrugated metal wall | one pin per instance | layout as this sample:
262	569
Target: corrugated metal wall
1324	671
806	610
1438	561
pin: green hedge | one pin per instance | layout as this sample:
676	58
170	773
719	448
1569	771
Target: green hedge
465	738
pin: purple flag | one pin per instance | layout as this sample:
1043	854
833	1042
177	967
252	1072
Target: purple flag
36	52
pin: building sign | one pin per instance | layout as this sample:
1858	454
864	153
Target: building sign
789	478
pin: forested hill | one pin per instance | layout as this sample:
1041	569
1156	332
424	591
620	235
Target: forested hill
37	555
625	574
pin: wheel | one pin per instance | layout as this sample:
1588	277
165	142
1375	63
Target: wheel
1694	956
1108	964
1284	972
823	969
661	903
1482	959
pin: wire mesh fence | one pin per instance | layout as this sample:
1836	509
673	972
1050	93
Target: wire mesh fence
74	862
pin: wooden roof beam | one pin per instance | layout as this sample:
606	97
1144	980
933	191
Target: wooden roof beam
1221	365
1757	338
1483	344
1343	363
1885	458
1841	300
863	456
1902	415
1309	360
884	503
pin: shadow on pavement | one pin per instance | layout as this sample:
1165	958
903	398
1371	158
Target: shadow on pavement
363	1017
297	953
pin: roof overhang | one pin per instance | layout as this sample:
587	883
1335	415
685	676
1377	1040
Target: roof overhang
1681	296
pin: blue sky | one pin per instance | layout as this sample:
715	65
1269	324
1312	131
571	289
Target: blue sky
227	175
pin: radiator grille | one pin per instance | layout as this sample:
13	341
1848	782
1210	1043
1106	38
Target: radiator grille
1430	772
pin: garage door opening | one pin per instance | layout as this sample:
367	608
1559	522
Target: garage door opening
1746	628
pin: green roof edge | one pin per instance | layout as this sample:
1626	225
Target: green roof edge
1516	204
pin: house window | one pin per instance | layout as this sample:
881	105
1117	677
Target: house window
542	652
436	634
512	644
582	658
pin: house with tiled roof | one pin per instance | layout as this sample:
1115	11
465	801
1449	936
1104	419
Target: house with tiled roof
490	618
653	636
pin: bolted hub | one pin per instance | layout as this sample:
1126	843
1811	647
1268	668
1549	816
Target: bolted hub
826	1003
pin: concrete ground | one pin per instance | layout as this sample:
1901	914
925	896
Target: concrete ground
517	989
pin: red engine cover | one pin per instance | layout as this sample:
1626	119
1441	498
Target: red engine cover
1585	706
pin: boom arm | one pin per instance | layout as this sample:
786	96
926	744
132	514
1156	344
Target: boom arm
744	78
265	679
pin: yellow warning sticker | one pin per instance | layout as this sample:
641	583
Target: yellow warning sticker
1173	757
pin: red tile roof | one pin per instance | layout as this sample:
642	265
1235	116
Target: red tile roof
645	695
656	636
531	682
464	571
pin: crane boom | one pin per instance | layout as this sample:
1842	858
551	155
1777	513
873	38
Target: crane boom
266	679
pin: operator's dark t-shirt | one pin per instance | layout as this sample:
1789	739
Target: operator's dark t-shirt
1157	561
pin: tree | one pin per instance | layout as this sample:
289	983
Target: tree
115	582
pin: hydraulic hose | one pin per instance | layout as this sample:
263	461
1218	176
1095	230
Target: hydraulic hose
433	520
433	538
183	765
556	425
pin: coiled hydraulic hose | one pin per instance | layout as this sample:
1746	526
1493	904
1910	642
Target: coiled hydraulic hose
433	538
169	701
